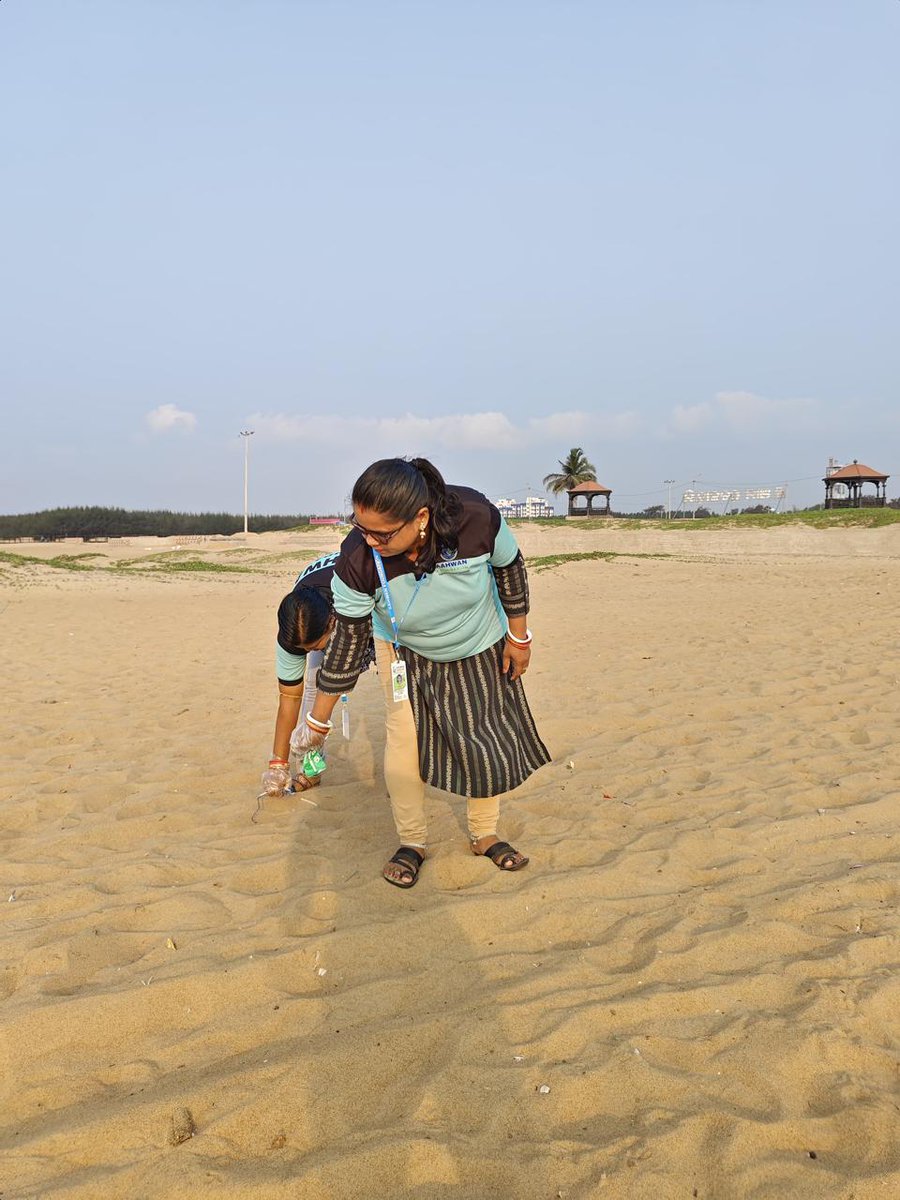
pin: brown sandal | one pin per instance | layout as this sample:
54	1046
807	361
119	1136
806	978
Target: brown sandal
410	861
504	856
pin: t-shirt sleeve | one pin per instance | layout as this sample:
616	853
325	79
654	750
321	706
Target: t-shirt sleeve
289	668
505	546
352	585
350	603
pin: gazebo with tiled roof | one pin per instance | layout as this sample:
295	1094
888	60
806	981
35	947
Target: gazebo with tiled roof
848	483
591	491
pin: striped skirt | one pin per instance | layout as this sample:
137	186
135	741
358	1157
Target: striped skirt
476	734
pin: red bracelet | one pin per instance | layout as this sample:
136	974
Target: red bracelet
278	762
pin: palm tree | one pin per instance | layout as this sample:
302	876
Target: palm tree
575	469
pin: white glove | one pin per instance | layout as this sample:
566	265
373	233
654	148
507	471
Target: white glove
303	738
275	780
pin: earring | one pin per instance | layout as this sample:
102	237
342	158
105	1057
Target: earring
422	532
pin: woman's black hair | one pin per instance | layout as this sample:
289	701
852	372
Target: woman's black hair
303	617
399	487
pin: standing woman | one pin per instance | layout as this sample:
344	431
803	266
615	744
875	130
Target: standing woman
437	574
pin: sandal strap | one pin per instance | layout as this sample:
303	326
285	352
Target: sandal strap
408	858
500	851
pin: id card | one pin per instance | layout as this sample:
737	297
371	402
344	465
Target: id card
398	681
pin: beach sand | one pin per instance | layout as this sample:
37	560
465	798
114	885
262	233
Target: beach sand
692	990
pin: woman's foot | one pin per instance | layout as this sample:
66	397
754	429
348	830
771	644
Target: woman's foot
403	869
302	783
501	854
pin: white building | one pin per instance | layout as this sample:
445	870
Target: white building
529	508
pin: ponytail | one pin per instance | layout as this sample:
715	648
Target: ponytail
446	510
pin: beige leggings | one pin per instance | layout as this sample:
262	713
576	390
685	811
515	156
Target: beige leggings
401	768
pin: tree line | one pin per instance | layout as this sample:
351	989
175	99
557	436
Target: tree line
96	522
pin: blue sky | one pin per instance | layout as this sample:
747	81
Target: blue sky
485	232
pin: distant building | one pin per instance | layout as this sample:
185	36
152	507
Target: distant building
529	508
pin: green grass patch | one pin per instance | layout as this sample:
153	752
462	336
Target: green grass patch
301	557
540	522
199	566
833	518
547	561
61	562
319	529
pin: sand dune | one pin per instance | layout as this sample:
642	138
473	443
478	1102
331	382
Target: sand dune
700	963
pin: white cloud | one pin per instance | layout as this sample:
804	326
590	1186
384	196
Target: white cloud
467	431
409	434
746	411
685	419
743	412
614	426
168	417
560	425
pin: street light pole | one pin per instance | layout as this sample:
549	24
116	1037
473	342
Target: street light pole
668	483
246	434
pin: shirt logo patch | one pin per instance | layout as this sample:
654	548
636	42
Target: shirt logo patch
327	560
456	563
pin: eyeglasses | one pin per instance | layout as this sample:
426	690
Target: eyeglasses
380	537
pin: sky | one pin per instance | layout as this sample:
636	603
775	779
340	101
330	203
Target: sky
484	231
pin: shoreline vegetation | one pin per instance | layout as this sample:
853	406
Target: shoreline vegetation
93	523
108	524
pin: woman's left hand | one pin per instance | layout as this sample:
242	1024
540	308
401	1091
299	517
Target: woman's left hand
515	659
303	738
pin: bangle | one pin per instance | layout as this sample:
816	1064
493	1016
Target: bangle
318	726
278	762
525	641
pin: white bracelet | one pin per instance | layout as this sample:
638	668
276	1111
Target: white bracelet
318	726
525	641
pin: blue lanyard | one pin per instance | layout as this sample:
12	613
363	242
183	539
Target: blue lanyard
386	592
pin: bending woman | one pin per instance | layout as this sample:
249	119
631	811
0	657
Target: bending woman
439	574
305	622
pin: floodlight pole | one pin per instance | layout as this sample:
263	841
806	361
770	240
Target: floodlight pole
668	483
246	434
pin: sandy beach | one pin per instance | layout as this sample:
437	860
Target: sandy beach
692	991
